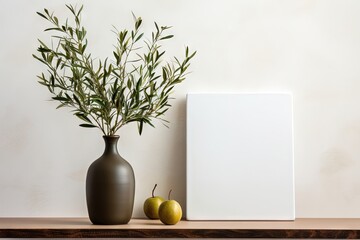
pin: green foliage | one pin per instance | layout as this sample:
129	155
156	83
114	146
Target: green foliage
133	87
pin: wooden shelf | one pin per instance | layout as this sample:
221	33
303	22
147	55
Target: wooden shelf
141	228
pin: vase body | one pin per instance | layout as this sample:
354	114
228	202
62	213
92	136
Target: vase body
110	187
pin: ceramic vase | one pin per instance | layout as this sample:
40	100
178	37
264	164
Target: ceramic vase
110	187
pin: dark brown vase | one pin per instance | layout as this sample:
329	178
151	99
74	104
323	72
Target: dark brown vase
110	187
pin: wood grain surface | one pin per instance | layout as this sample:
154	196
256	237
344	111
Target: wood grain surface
142	228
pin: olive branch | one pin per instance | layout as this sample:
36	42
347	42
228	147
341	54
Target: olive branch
134	86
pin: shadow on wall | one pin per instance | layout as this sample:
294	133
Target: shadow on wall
167	147
177	167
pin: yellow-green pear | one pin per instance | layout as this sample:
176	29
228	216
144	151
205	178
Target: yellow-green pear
170	212
151	205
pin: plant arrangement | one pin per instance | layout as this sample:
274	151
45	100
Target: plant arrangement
133	86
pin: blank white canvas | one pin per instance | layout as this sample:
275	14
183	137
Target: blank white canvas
240	157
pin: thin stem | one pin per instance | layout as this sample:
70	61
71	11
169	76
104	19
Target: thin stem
169	194
152	193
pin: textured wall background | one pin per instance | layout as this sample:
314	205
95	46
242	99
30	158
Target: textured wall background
309	48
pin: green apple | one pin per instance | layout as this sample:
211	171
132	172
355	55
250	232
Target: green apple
170	212
151	205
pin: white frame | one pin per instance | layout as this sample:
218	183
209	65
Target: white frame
240	163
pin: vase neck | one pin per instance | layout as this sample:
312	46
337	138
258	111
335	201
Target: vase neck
111	144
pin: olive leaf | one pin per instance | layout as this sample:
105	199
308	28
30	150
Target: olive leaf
134	86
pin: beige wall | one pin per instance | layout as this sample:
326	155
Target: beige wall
310	48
